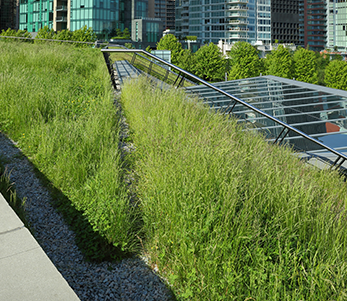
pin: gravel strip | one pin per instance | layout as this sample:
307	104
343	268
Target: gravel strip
129	279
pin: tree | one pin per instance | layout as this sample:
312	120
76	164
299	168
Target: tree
84	35
13	33
244	61
187	60
44	33
129	46
280	63
305	66
118	32
170	42
209	63
322	60
65	35
149	49
336	75
126	33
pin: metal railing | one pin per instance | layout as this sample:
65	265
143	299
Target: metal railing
183	74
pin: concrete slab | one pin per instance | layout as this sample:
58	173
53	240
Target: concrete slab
8	221
25	270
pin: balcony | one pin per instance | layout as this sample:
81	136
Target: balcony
237	1
238	29
237	15
238	8
61	19
240	21
61	8
185	4
238	36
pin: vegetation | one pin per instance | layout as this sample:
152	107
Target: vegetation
191	38
56	102
280	63
209	63
305	64
226	215
336	74
9	193
322	61
81	35
170	42
222	213
244	61
13	33
122	35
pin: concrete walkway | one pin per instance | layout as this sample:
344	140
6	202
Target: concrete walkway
125	70
26	272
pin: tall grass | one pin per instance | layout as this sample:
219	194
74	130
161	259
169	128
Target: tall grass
56	101
9	193
228	216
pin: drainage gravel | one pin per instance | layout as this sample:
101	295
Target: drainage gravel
129	279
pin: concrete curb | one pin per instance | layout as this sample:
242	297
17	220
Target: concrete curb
26	271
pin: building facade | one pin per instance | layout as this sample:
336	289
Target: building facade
337	25
66	14
8	14
101	15
285	19
315	24
230	20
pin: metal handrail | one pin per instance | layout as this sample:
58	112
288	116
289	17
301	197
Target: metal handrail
237	100
48	40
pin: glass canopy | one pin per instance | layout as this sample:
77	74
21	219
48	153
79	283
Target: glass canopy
310	118
315	110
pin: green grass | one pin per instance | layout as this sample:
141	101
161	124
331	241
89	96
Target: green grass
223	214
228	216
56	102
9	193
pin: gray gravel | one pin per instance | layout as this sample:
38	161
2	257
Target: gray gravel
129	279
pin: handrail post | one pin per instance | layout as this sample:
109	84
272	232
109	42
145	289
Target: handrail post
133	59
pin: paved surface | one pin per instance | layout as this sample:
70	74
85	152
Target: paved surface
25	270
316	161
125	69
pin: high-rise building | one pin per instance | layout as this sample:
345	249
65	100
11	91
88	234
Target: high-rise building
67	14
285	18
102	15
8	14
337	25
230	20
315	24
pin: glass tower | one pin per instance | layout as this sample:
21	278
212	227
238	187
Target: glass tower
230	20
337	25
101	15
34	15
315	12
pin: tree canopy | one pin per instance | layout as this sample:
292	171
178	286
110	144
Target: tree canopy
209	63
305	63
336	75
244	61
187	60
170	42
280	63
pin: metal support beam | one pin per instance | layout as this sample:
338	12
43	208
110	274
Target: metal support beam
179	74
150	67
279	135
133	58
166	75
232	108
179	84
